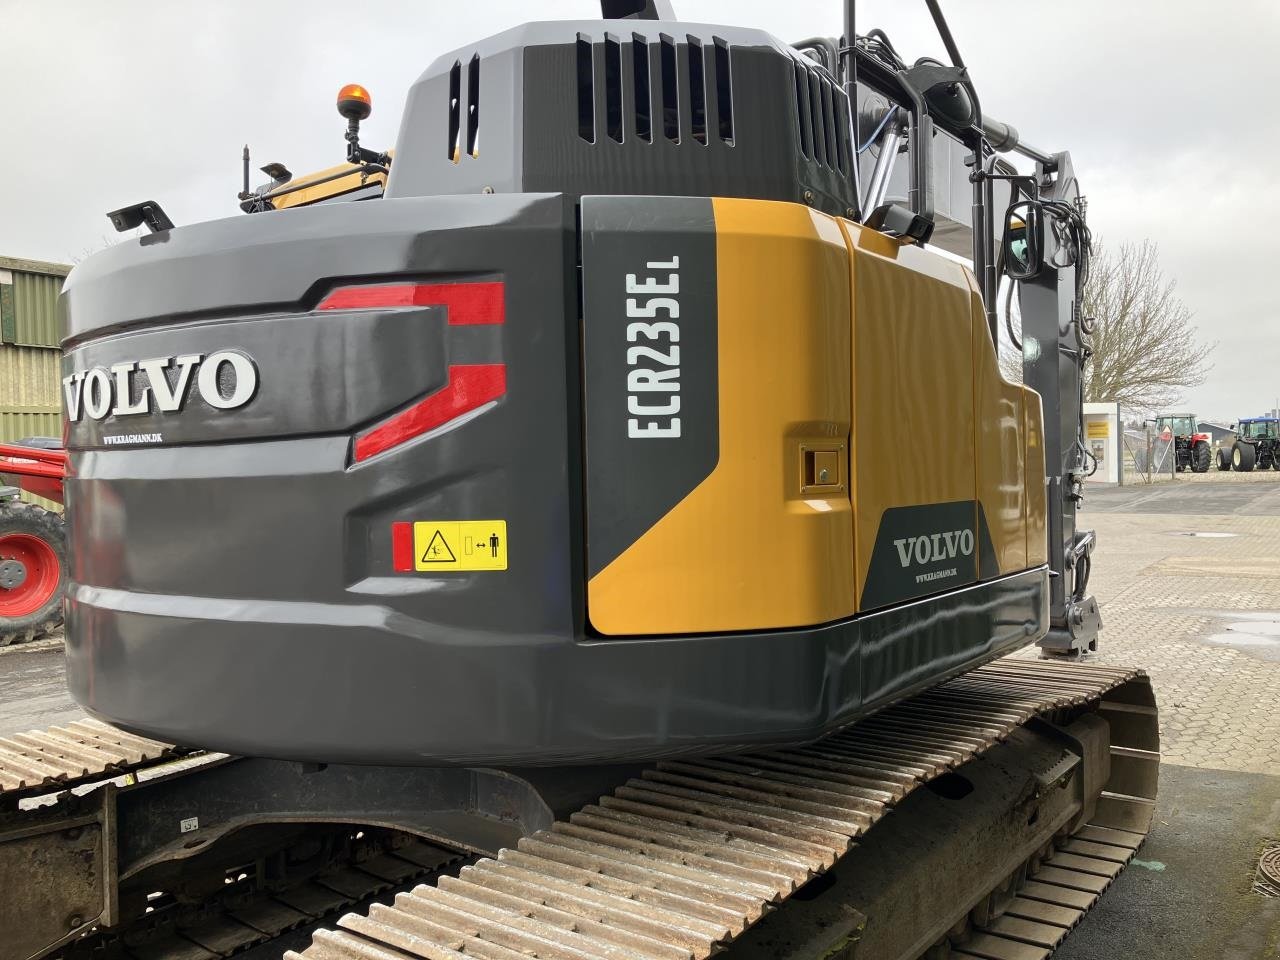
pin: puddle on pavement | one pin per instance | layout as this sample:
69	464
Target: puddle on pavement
1258	636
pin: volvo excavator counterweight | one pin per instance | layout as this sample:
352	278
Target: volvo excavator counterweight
509	564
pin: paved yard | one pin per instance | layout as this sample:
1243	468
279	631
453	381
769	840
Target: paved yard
33	694
1188	573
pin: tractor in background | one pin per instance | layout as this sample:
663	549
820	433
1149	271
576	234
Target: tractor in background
33	540
1256	444
1190	447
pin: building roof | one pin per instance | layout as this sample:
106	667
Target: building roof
35	266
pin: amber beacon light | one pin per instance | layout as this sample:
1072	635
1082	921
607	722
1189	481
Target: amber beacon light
354	102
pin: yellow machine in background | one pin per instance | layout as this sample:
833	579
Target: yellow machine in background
340	182
343	181
361	177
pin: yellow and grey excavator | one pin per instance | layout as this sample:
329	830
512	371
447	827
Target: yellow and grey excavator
510	565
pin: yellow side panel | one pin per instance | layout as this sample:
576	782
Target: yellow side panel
1002	451
1037	510
752	547
309	192
913	384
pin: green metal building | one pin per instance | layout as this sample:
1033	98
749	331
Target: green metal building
30	361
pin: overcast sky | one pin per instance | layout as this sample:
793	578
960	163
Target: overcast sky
1164	104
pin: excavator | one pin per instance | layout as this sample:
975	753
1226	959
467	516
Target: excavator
509	564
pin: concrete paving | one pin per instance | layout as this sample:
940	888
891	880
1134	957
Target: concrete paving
1254	494
33	693
1190	590
1188	894
1188	574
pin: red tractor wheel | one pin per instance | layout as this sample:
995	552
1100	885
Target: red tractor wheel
33	564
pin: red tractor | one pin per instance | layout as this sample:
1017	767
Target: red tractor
33	543
1191	448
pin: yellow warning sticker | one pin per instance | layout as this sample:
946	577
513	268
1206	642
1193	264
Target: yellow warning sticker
460	545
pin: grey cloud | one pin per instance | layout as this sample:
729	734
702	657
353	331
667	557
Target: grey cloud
1165	105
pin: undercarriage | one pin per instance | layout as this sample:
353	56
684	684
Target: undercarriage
1018	791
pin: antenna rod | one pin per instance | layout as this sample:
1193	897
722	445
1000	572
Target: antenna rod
244	193
846	65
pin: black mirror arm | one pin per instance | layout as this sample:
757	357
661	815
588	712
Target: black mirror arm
1025	183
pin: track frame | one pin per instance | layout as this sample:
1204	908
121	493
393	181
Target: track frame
591	861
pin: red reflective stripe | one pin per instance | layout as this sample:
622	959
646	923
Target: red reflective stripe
467	303
32	468
402	547
470	386
32	453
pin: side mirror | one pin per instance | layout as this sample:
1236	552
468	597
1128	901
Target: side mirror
1023	241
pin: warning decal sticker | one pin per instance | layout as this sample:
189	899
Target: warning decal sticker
438	550
460	545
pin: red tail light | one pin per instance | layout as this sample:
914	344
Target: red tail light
470	386
467	303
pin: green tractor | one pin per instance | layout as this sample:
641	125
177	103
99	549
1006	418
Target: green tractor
1256	444
1191	448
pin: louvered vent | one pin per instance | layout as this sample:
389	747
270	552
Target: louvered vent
464	139
822	115
629	107
642	89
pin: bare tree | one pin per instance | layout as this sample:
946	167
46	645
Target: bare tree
1145	349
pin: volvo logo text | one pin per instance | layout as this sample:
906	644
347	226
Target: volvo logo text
225	380
935	547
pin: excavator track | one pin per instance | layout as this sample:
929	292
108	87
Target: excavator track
235	924
39	761
682	860
679	862
41	764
